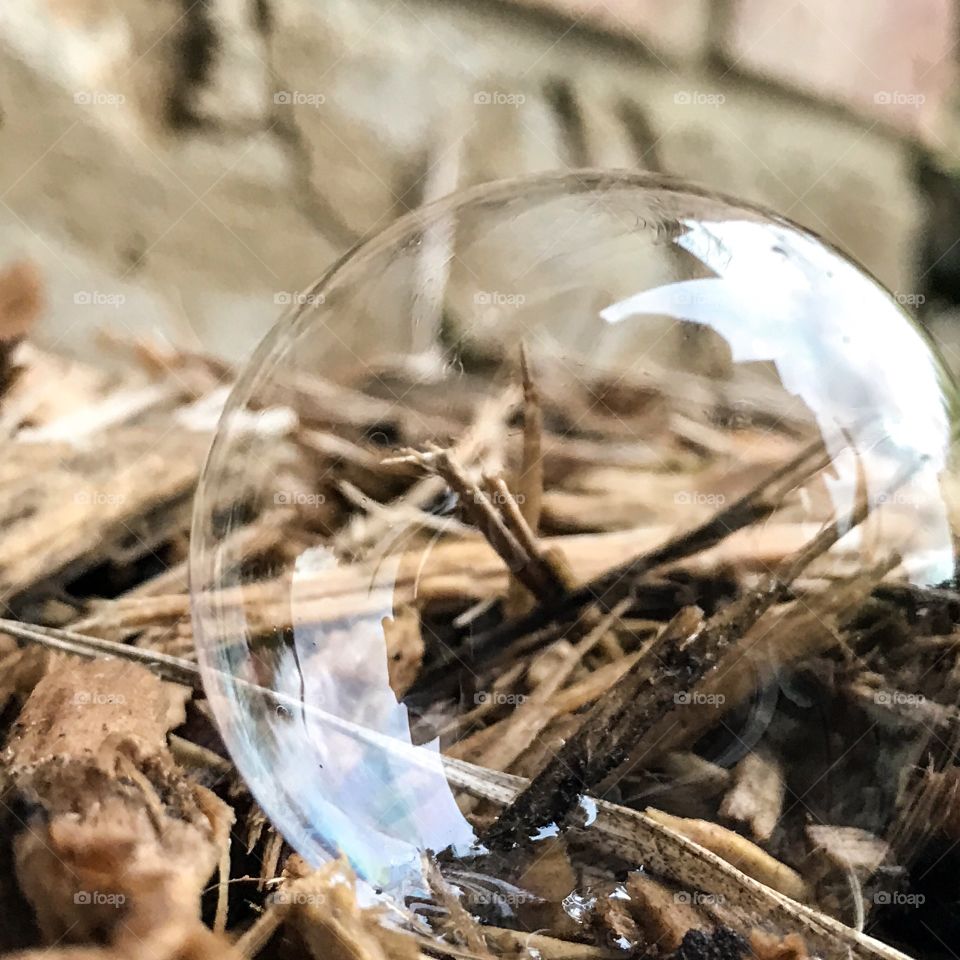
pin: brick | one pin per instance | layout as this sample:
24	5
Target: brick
677	28
888	60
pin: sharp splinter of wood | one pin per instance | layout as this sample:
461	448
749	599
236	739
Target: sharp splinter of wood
497	489
530	481
174	669
478	506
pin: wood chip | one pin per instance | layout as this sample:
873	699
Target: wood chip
125	842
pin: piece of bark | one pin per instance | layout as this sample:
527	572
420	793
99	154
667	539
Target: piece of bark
744	855
20	669
756	797
721	943
322	906
519	943
767	946
130	492
785	635
457	921
404	647
663	915
632	835
614	924
849	848
174	943
21	302
125	842
480	443
509	738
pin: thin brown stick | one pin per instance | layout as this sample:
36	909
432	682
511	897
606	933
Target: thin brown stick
528	567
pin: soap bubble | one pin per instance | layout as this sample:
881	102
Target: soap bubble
530	444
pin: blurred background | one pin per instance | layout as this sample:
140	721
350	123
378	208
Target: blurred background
179	169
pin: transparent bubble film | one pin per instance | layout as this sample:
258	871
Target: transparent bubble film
575	526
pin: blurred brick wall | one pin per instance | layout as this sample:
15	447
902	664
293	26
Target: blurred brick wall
887	61
187	167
